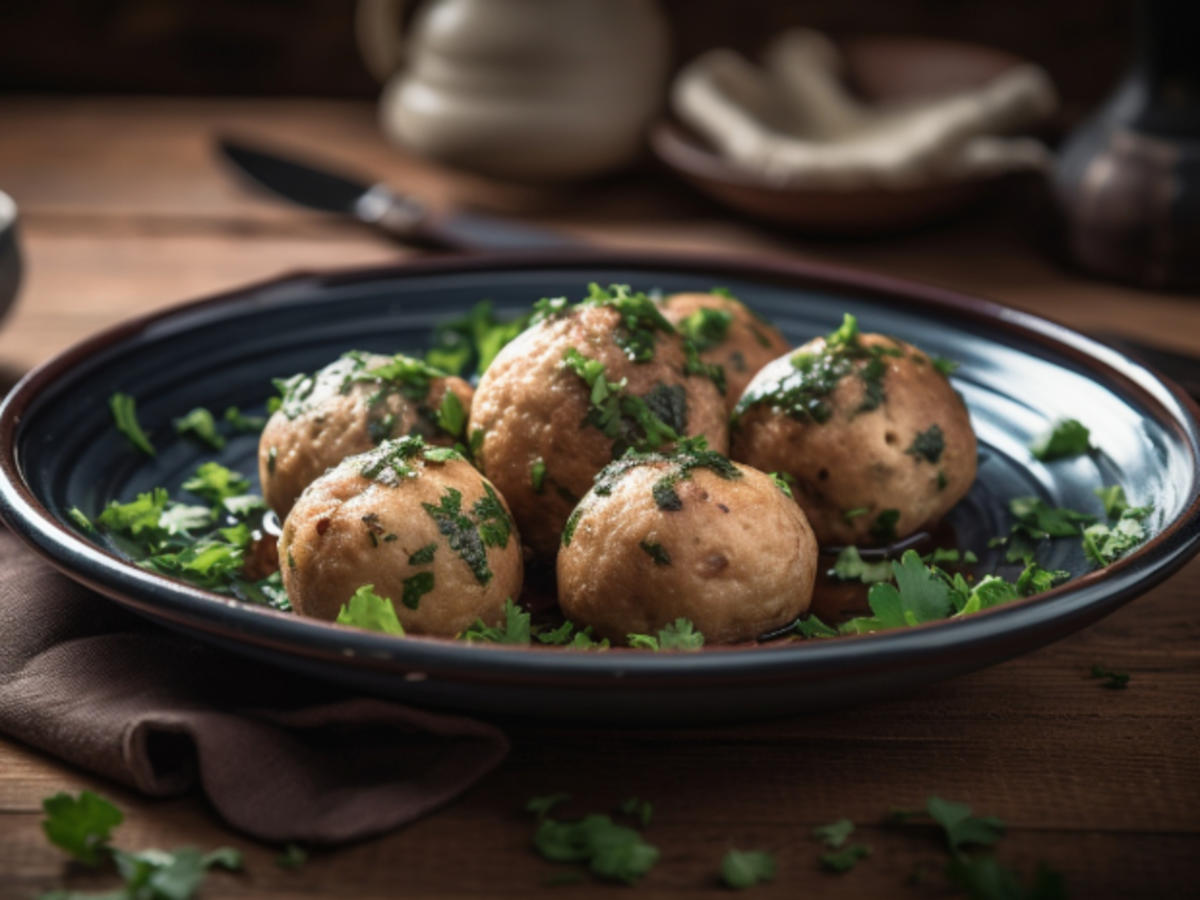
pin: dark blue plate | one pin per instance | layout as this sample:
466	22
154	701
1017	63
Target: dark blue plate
1019	373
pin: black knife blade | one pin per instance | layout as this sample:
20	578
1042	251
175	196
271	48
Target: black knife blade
321	187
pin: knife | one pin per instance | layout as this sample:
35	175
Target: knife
401	217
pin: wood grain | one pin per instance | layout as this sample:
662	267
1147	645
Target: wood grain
126	211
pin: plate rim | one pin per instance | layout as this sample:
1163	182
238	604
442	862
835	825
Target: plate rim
1068	606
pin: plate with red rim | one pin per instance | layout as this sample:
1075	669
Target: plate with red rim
1019	373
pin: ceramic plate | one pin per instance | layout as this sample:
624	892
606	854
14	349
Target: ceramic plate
1019	373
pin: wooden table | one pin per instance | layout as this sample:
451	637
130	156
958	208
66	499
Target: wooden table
124	210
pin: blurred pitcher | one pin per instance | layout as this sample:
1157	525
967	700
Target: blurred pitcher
528	89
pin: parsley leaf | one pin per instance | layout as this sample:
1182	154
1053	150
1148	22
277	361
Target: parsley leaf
416	587
139	518
368	610
200	424
541	806
920	595
656	552
928	444
613	852
293	856
706	327
1067	438
1113	680
124	413
678	635
841	861
515	630
1104	544
1039	520
984	878
812	627
473	340
642	810
214	482
960	827
77	515
81	825
241	422
451	417
745	868
569	635
850	566
834	834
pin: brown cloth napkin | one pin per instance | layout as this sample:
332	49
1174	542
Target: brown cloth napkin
281	757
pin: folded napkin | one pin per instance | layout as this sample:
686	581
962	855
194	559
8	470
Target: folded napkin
794	123
281	757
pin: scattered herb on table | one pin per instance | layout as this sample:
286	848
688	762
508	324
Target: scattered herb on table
844	860
1065	439
542	805
612	852
124	413
745	868
834	834
1113	680
642	810
293	856
82	826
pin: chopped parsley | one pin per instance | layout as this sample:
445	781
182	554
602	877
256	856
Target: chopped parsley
200	424
416	587
946	366
515	630
1113	680
707	328
640	319
293	856
82	522
850	566
883	529
656	552
389	463
124	413
611	852
424	556
642	810
960	827
1067	438
451	417
781	480
463	534
471	342
844	860
678	635
537	475
366	609
625	418
928	444
214	482
690	455
82	826
568	634
241	422
813	627
803	392
476	442
834	834
745	868
1104	544
1113	498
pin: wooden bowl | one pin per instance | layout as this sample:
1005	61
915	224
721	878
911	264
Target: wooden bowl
879	69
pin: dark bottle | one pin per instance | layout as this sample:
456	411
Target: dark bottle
1127	183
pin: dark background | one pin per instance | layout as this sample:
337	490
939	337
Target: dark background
307	47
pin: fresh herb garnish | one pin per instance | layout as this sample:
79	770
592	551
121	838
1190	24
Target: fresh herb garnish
745	868
850	566
415	587
451	417
1104	544
803	391
1067	438
515	630
81	825
639	809
656	552
214	482
834	834
243	423
472	341
366	609
678	635
928	444
424	556
612	852
945	366
76	515
844	860
200	424
542	805
640	319
783	481
462	534
537	475
293	856
883	529
625	418
707	328
1113	680
568	634
690	455
124	413
813	627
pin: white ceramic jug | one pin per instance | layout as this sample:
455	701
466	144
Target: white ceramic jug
529	89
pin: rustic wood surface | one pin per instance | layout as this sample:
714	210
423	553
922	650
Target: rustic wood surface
125	210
